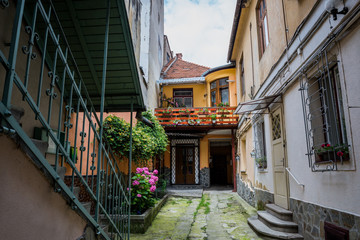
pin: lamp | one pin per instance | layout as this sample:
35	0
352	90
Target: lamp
331	8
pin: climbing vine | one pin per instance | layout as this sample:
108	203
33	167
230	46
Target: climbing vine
147	142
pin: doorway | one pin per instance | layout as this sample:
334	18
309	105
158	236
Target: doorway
279	161
185	164
220	163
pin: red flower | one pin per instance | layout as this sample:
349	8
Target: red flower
340	154
323	145
328	145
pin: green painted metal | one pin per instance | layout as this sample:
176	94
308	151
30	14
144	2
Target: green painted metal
106	39
13	53
108	193
130	162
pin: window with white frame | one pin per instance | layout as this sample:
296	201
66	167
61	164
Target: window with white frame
324	114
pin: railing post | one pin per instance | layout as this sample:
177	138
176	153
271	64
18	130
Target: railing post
9	79
102	111
130	162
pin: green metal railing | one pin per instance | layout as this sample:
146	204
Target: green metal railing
42	78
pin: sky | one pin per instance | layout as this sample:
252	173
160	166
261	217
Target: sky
200	29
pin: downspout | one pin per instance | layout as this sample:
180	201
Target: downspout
252	67
233	158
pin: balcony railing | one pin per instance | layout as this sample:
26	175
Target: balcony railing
217	117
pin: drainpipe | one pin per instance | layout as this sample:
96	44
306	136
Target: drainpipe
233	158
143	119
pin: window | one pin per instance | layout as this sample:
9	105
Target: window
242	76
262	26
219	92
260	145
183	97
324	115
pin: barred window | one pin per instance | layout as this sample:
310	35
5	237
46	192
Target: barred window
324	114
260	144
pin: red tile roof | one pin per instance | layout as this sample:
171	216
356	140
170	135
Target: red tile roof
178	68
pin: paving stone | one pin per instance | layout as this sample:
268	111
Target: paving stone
222	216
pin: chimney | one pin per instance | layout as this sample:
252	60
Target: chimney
179	56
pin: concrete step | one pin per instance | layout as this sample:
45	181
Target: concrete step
61	172
87	206
263	229
76	191
277	224
41	145
17	112
279	212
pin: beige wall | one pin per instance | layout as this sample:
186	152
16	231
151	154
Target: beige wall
30	209
245	147
295	13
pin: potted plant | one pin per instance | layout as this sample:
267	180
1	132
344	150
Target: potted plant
261	162
191	122
213	118
205	111
328	152
176	122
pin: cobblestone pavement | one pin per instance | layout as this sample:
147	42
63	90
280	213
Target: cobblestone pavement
217	215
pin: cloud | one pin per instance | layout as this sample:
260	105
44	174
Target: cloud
200	29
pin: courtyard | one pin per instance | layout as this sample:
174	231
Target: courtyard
212	214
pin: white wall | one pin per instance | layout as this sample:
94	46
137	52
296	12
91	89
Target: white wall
152	46
337	189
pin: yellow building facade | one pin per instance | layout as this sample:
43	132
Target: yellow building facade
197	107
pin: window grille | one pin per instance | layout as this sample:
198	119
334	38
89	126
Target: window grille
260	145
324	113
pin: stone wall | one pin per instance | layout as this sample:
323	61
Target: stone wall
205	177
311	218
262	197
245	191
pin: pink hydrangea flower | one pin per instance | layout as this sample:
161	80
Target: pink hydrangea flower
152	189
143	175
139	170
138	195
147	172
155	172
152	182
136	183
155	178
145	169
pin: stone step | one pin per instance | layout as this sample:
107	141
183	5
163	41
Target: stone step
263	229
277	224
279	212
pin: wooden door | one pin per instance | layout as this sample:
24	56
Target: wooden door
185	165
279	163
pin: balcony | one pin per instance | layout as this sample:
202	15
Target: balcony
199	118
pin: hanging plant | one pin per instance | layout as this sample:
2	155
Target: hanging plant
147	142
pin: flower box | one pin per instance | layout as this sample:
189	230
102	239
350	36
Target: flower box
140	223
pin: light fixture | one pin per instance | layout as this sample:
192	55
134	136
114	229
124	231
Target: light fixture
331	8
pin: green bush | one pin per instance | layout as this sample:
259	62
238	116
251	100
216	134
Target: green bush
147	142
